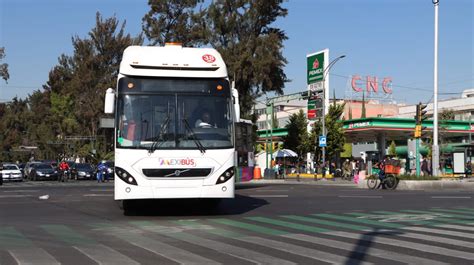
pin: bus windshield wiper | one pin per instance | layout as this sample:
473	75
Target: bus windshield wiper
158	140
193	136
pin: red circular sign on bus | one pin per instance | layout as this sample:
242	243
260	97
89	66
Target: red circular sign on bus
208	58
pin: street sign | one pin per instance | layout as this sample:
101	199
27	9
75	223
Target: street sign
315	67
322	141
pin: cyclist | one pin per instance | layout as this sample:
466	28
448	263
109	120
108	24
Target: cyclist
102	171
64	169
382	165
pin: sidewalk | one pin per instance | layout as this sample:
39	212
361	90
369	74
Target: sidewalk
304	181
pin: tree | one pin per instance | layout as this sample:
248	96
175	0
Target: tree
252	49
297	138
335	133
240	30
174	21
447	114
392	151
362	114
4	66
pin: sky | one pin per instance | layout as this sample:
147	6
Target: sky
380	38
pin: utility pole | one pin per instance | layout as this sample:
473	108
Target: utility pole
325	73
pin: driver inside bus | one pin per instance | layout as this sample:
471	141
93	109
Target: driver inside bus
204	121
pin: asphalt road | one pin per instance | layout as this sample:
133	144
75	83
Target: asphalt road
79	223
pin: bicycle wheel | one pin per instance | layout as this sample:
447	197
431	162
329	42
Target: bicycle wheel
372	182
391	182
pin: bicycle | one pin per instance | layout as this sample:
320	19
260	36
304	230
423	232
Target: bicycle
387	179
63	176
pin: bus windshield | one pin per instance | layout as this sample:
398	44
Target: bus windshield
166	120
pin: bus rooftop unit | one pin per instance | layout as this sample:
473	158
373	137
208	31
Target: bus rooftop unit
174	124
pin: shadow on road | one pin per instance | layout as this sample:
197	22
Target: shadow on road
365	242
193	207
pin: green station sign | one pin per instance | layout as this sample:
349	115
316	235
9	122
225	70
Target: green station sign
315	67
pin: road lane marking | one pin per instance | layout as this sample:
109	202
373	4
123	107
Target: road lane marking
271	190
21	191
447	215
404	244
302	251
441	232
268	196
15	196
222	247
67	235
250	227
97	195
101	190
306	228
449	211
104	255
438	239
285	247
359	220
451	197
325	222
32	256
359	248
459	227
136	237
360	196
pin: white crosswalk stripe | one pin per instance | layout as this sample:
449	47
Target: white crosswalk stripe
32	255
438	231
405	244
459	227
104	255
301	251
371	251
444	240
178	255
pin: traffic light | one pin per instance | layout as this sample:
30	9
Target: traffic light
417	131
420	116
422	112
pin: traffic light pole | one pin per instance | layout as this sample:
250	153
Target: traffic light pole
417	156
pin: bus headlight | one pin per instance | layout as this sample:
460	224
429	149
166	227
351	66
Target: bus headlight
125	176
229	173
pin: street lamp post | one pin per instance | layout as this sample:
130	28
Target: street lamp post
325	73
435	154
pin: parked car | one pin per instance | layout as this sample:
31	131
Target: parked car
43	171
11	172
29	167
82	171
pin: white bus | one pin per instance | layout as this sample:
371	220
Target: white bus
174	125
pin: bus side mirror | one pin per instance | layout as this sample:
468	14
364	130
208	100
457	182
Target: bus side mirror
109	105
235	99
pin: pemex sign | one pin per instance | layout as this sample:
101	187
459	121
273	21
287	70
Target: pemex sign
315	67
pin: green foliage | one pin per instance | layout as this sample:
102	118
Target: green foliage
175	21
446	114
71	102
335	134
297	138
363	114
240	30
4	66
252	49
392	149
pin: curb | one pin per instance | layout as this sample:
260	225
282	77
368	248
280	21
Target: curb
429	185
319	182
